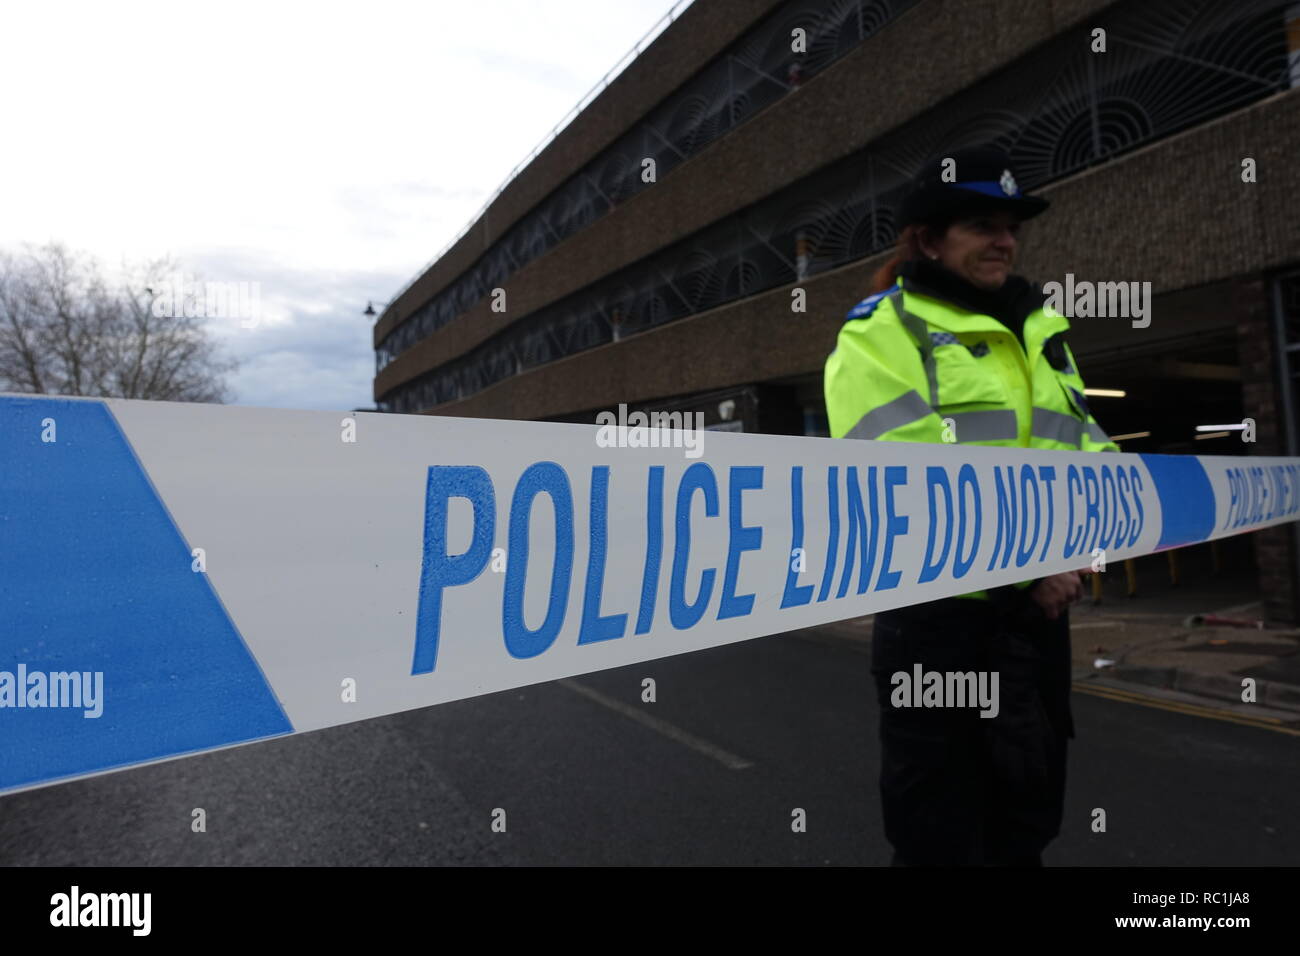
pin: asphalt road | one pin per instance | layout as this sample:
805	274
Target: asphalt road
711	772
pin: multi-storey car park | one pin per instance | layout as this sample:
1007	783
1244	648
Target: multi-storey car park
1169	158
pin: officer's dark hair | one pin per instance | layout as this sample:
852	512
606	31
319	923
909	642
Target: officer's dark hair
907	249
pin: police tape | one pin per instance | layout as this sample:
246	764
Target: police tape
178	578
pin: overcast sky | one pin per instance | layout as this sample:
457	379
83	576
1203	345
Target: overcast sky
327	151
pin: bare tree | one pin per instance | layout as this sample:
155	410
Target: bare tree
64	330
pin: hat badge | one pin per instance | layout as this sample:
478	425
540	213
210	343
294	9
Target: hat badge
1008	182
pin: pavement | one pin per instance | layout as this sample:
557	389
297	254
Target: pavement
1170	651
1154	639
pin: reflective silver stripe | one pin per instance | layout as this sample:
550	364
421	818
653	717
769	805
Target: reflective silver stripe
1096	434
921	332
1056	426
907	408
996	424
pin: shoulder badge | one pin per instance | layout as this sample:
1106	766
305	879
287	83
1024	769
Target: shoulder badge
868	305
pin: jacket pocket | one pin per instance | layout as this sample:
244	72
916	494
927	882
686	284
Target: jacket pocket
966	380
1074	399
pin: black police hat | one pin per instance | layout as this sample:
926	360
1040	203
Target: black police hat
982	180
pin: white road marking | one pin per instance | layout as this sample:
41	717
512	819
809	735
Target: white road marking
672	732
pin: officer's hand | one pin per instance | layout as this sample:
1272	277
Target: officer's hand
1056	593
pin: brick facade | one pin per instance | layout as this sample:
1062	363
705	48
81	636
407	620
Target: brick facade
1274	547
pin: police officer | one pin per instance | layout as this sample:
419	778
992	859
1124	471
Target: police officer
954	348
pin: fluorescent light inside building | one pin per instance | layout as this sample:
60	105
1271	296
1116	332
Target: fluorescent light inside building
1214	435
1106	392
1220	428
1130	437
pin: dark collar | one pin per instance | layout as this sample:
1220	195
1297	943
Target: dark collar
1010	305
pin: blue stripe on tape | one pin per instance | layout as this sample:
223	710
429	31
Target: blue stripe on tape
1186	498
97	579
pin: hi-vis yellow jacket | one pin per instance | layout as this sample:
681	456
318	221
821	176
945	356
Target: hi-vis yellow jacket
910	367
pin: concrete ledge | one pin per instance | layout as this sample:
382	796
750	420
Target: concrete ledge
1152	676
1220	686
1281	696
1225	687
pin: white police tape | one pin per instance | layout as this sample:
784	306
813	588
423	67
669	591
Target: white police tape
235	574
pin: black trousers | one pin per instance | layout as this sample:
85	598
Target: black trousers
959	789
